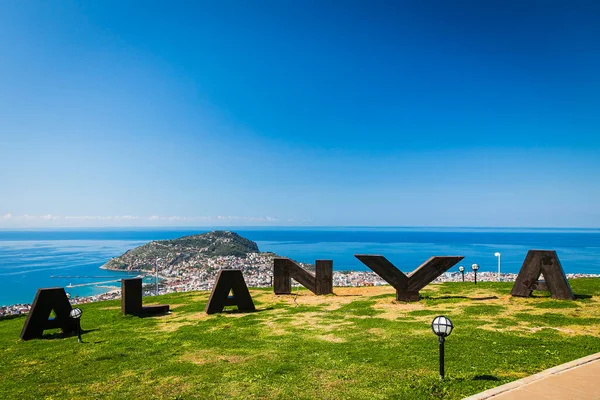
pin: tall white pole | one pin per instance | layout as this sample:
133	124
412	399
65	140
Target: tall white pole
498	255
499	268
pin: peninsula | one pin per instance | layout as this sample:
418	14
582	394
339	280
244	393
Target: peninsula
184	252
192	262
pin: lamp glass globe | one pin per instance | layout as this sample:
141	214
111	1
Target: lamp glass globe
442	326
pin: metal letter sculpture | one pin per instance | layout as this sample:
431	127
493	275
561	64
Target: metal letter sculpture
546	262
229	280
408	286
45	301
285	269
131	299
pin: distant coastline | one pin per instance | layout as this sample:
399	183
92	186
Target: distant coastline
29	257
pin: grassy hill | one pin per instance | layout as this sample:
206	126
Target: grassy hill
356	344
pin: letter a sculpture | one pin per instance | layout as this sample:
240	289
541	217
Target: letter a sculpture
285	269
229	280
542	262
408	286
37	320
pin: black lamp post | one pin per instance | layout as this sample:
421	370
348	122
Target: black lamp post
462	271
475	267
442	327
76	315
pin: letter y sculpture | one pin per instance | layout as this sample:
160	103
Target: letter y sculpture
408	286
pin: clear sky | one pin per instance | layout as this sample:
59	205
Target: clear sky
397	113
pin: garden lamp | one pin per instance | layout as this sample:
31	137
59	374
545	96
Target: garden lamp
475	267
76	315
442	327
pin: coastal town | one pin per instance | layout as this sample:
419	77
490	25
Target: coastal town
258	273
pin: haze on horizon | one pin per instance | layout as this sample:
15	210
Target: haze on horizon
385	113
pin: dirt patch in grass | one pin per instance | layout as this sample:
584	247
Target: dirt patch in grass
341	296
377	331
172	326
315	321
385	305
526	328
519	307
576	330
391	309
330	338
517	327
170	386
363	291
309	321
306	298
172	322
201	357
275	327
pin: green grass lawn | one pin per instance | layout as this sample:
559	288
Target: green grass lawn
357	344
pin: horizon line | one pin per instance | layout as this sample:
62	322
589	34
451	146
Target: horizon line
223	227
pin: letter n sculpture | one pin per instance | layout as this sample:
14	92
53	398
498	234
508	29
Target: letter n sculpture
37	320
408	286
285	269
229	280
542	262
131	300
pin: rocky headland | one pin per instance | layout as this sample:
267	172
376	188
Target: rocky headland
185	252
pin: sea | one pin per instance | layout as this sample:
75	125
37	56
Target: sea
32	259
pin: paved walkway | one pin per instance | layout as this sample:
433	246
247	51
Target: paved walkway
577	380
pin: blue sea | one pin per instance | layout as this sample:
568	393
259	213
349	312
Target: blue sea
48	258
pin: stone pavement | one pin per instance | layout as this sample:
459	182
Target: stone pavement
577	380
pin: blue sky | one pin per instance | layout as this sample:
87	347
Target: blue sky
399	113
